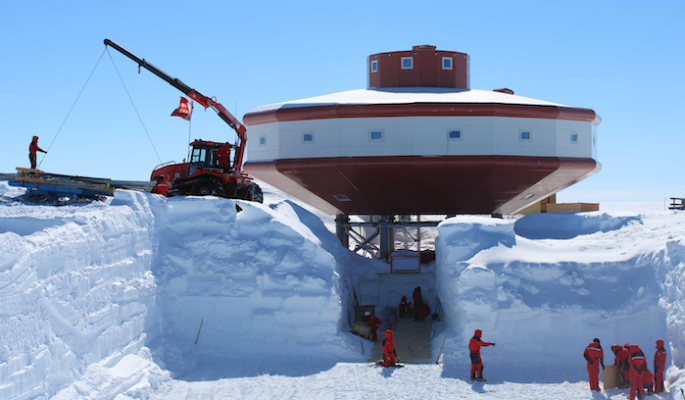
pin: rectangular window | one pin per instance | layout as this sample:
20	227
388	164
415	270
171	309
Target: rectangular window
376	136
447	63
199	155
574	138
307	137
454	135
407	62
262	141
374	65
525	136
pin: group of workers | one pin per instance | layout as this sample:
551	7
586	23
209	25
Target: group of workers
632	363
629	358
420	309
419	312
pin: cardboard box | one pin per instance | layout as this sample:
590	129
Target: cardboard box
611	376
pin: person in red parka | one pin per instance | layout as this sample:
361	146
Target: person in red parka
595	357
621	361
648	381
33	148
421	309
405	307
659	366
625	371
389	351
638	364
476	363
374	323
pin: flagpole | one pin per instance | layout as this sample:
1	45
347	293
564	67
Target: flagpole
188	145
190	122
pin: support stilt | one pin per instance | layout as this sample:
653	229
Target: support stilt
340	229
387	237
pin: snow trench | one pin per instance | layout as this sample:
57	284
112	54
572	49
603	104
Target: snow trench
107	300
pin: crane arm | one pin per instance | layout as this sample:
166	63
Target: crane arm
195	95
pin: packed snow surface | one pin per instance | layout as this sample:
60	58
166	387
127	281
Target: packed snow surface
206	298
408	96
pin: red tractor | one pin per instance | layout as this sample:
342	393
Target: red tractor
210	170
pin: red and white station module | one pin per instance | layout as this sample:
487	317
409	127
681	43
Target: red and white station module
420	141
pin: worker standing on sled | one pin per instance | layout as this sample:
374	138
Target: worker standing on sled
659	366
476	363
595	357
621	361
638	364
389	351
33	148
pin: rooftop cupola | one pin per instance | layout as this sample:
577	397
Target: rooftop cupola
423	66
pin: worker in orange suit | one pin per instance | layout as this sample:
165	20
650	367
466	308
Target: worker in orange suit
638	364
476	363
33	148
389	351
659	366
374	323
621	361
595	357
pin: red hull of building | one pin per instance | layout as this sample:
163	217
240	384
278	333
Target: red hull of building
411	185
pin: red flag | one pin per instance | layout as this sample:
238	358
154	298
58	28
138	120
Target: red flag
184	111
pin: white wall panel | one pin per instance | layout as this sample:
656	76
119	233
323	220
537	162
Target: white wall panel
270	152
424	136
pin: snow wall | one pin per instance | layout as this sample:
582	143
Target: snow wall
87	289
543	300
259	284
75	289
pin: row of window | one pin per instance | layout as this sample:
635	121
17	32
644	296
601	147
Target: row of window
379	136
408	63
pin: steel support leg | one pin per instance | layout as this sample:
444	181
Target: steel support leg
387	238
340	231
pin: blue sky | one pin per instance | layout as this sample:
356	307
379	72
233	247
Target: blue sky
622	59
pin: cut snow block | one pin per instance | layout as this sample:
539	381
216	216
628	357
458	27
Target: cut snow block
611	375
362	329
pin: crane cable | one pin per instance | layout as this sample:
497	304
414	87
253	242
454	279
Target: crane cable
133	104
79	96
72	107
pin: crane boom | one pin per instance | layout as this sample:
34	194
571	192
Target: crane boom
203	100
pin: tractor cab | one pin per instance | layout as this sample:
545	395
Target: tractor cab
210	156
